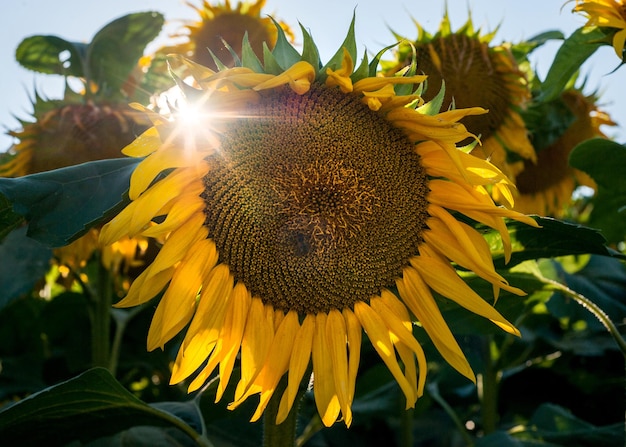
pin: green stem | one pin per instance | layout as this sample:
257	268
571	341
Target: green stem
488	389
406	434
593	308
433	390
101	320
284	434
121	319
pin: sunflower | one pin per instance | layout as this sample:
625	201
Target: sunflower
545	187
222	23
308	205
608	14
475	73
66	133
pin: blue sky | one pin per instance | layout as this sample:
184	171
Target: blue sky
327	20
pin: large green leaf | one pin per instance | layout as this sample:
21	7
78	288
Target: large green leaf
24	262
63	204
553	239
9	220
116	48
51	55
87	407
556	424
575	50
604	161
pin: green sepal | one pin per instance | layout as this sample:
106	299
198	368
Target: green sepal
249	58
604	161
271	65
575	50
433	106
362	71
373	66
284	53
349	44
61	205
310	53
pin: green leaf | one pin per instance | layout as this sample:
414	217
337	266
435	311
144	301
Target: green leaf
63	204
24	262
575	50
9	220
115	50
47	54
87	407
521	50
604	161
556	424
553	239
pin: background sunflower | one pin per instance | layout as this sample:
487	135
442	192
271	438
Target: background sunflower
475	72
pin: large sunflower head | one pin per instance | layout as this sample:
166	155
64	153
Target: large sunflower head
546	186
303	206
221	30
475	72
609	15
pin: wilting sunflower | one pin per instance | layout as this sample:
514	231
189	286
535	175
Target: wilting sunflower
222	23
545	187
475	73
609	14
304	206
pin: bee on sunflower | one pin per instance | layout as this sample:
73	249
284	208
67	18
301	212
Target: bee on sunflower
307	203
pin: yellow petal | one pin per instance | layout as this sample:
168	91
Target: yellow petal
442	278
277	361
418	298
336	337
379	336
326	399
298	364
207	322
179	301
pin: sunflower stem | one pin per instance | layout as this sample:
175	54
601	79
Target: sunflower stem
406	433
284	434
488	389
101	319
593	308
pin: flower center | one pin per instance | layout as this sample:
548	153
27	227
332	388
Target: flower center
315	201
471	78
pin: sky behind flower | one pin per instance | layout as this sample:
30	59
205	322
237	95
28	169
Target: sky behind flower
327	20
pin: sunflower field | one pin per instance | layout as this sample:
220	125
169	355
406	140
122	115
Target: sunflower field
227	239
